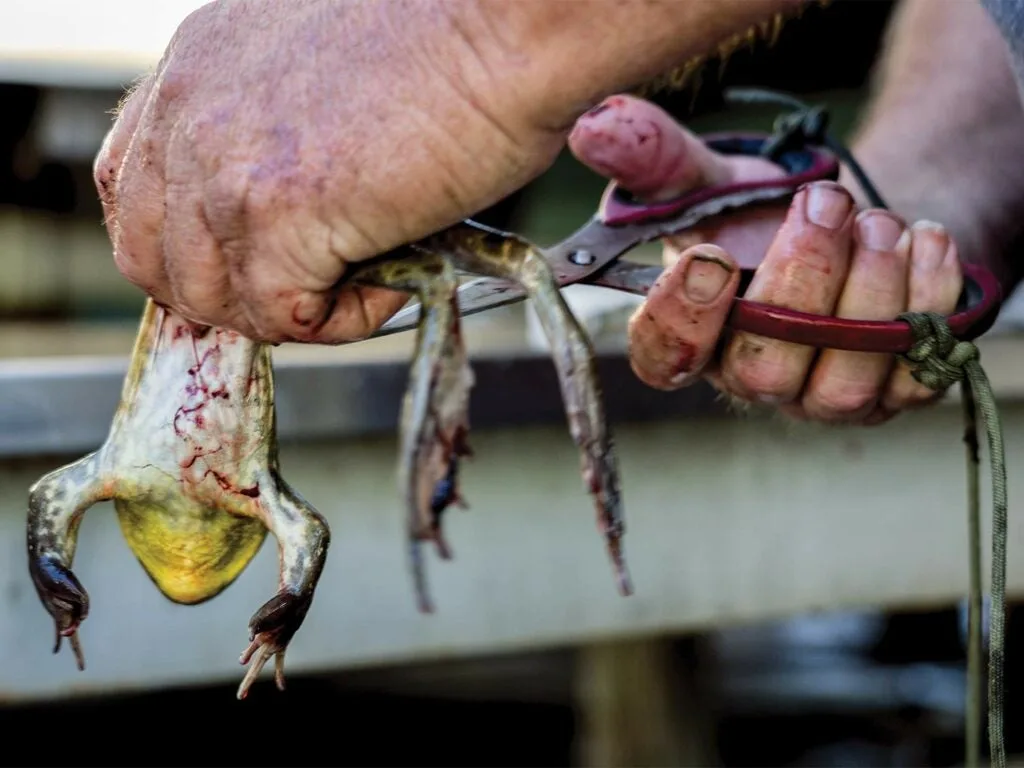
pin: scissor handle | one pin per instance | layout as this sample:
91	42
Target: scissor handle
802	166
977	307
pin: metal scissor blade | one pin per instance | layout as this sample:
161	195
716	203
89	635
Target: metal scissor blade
475	296
585	254
598	244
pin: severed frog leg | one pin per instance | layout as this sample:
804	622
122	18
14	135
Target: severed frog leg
483	251
434	419
303	538
56	503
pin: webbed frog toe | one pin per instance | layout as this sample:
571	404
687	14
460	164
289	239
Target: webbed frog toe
271	628
64	598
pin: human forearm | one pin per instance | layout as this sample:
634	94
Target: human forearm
294	140
943	136
561	57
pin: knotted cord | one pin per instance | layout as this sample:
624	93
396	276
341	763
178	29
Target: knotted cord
938	360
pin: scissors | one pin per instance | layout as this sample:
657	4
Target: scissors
801	145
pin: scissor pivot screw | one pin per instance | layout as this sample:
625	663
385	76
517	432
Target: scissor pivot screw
581	258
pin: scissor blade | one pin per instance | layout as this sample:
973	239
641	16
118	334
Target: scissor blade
597	243
586	253
474	296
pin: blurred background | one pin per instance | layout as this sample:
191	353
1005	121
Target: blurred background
831	688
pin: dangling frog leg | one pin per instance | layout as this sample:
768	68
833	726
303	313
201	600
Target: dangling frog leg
483	251
303	538
434	419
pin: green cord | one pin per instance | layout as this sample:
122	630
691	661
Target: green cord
939	360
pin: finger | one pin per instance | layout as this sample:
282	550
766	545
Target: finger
140	190
138	235
107	163
283	263
358	312
936	280
196	269
804	269
673	335
643	149
258	270
846	386
279	296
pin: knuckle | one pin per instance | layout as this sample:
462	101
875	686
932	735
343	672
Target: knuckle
173	83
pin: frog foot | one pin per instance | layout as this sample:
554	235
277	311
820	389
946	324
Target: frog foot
56	504
446	494
64	599
271	628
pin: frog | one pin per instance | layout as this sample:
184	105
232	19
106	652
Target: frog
191	465
191	461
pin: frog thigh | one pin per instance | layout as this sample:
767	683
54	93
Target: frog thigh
192	553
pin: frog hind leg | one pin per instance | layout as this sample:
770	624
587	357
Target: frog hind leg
434	422
482	250
303	537
56	504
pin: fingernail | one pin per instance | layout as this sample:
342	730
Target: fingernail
931	245
878	230
706	277
827	204
924	225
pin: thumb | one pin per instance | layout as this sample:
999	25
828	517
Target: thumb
643	149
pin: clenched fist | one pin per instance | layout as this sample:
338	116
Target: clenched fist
279	142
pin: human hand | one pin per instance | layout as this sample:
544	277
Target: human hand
820	255
278	143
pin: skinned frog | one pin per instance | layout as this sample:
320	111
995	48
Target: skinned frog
191	466
191	462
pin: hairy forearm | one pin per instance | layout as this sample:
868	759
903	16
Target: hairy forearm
563	56
943	136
